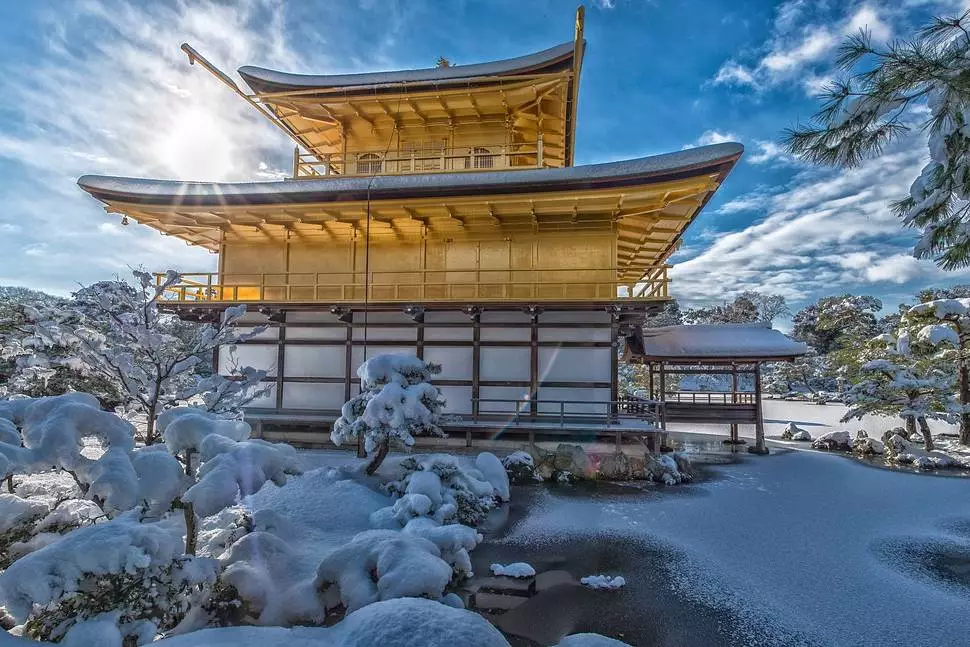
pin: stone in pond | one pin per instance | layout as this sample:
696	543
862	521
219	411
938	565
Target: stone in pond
834	441
794	432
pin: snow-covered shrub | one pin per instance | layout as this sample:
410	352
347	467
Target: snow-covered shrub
134	569
521	467
397	402
451	491
382	565
833	441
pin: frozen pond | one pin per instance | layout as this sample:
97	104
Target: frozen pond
791	549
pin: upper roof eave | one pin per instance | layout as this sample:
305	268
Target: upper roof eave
262	80
644	170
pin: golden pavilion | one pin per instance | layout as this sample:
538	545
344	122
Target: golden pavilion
435	212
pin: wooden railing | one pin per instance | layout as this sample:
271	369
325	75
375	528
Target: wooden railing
711	397
605	413
401	162
413	286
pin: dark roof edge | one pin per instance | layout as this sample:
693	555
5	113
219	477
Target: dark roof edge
266	80
657	168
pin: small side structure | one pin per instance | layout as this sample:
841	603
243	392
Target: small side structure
735	350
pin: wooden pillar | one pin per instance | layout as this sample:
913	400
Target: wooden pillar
534	362
759	425
280	360
348	360
734	400
662	395
476	362
650	381
614	363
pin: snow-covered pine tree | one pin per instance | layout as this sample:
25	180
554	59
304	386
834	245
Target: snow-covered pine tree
869	108
125	336
950	325
397	401
897	380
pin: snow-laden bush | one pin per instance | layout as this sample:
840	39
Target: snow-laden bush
382	565
603	582
521	467
134	569
397	402
439	486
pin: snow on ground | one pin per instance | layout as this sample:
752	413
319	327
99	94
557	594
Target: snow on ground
817	419
516	569
797	544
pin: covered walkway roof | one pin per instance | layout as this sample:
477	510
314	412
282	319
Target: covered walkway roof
716	343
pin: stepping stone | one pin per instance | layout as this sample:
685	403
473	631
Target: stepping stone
497	602
513	585
549	579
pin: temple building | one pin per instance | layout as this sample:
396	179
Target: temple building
436	212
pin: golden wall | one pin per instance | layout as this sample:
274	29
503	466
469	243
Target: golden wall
550	266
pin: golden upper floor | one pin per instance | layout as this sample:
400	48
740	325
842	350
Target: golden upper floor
510	114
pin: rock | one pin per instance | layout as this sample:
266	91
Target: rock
565	477
684	466
868	446
834	441
550	579
512	585
860	434
572	459
664	469
895	431
934	460
521	468
897	446
617	467
794	432
497	601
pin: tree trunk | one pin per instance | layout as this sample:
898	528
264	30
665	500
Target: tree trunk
379	457
361	452
964	378
150	427
188	463
910	426
10	483
924	429
189	511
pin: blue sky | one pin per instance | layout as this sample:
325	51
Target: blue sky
97	86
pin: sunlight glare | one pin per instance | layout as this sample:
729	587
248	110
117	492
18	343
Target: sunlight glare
193	144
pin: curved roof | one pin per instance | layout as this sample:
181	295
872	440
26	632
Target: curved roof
264	80
753	341
655	168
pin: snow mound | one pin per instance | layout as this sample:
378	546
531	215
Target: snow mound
834	441
494	472
603	582
590	640
186	431
391	623
517	569
15	511
232	469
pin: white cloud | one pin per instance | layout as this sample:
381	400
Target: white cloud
792	49
830	230
709	137
769	151
111	93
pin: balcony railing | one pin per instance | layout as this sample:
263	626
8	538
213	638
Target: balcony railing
417	286
401	162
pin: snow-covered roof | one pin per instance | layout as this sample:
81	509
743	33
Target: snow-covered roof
633	172
719	342
264	80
